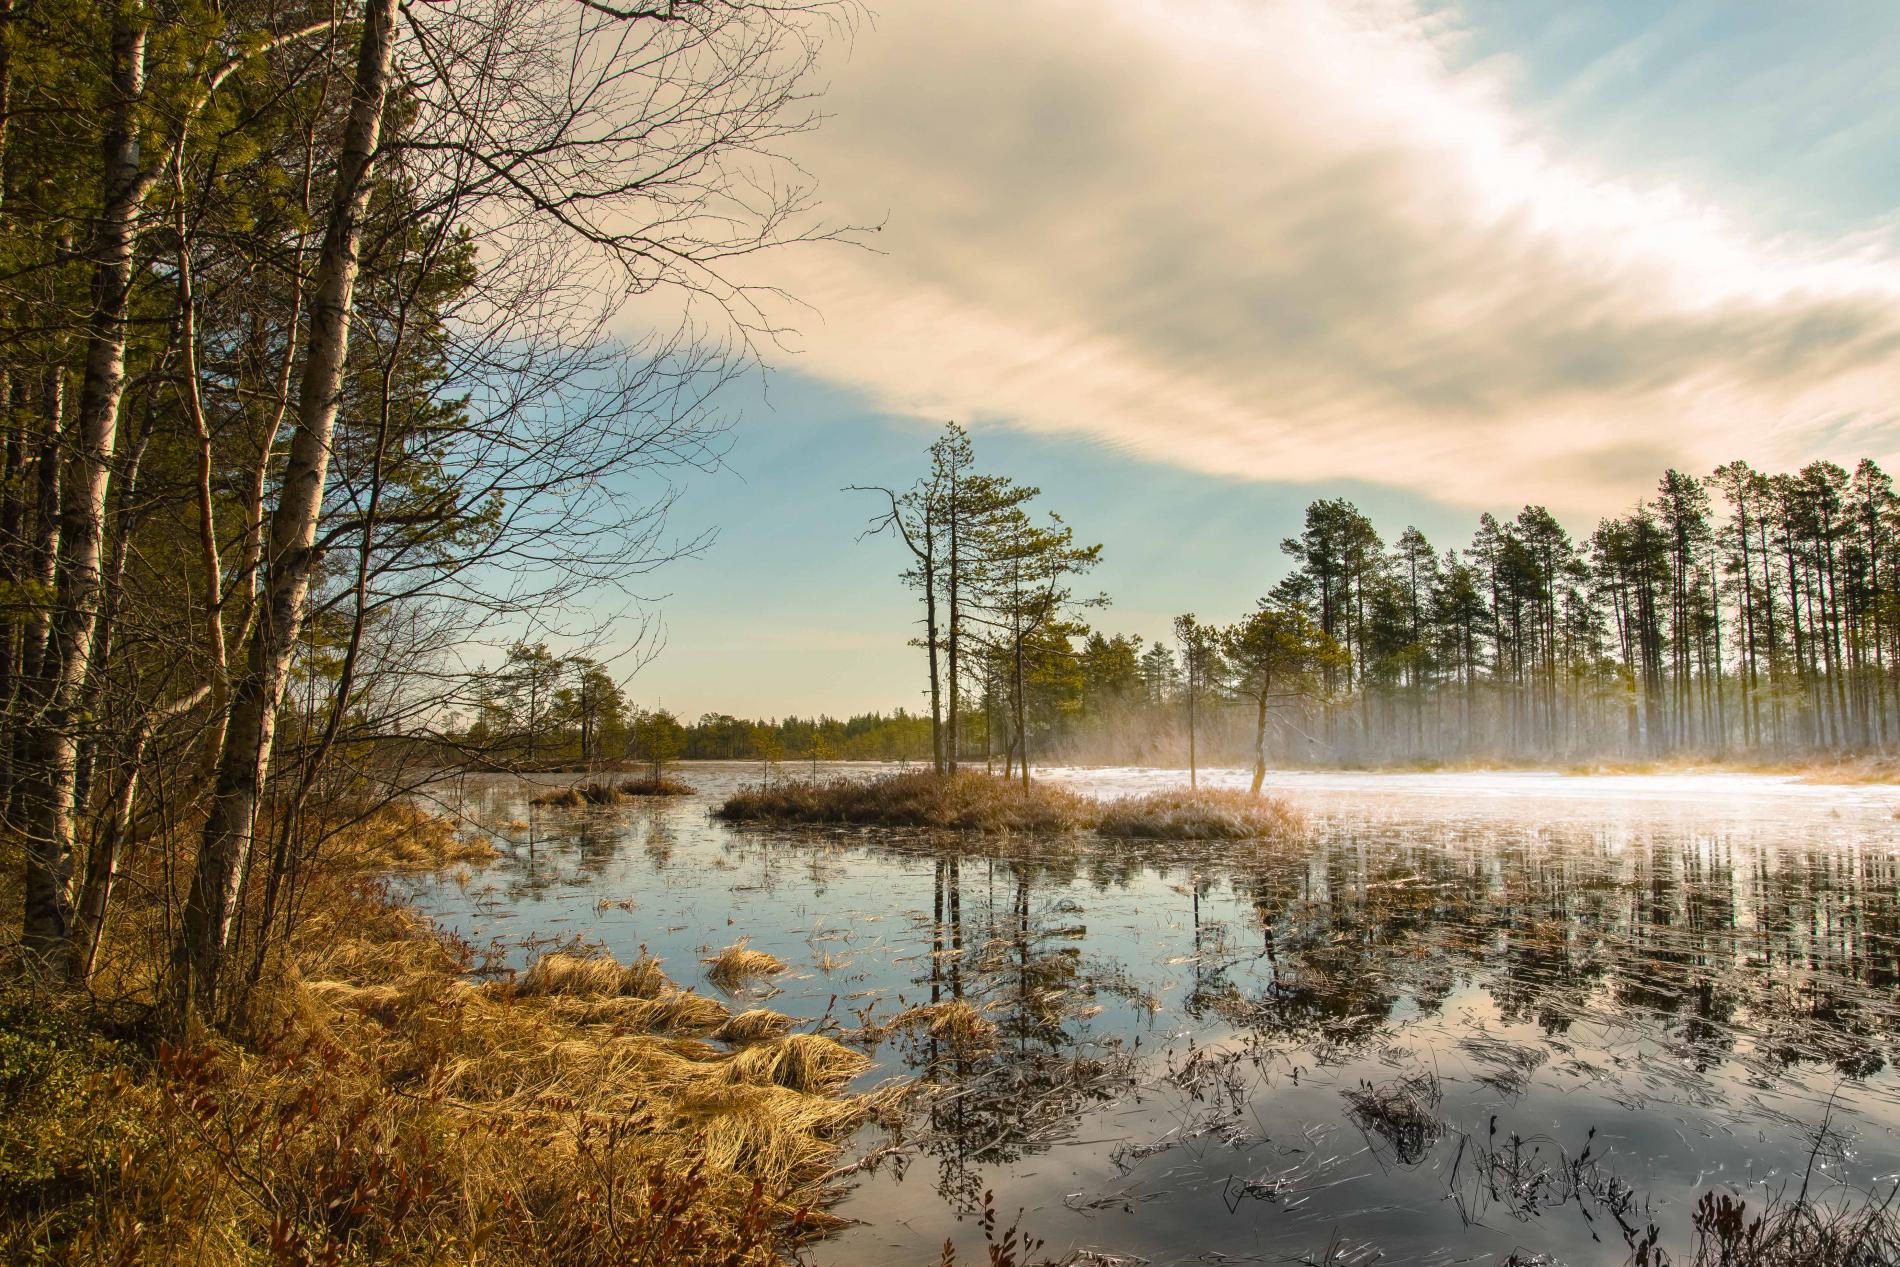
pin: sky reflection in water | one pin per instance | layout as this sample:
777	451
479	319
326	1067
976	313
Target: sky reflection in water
1396	1035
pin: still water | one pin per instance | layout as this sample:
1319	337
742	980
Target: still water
1468	1016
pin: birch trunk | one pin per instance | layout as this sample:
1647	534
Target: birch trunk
258	689
46	788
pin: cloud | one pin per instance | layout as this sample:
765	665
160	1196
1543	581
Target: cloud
1294	240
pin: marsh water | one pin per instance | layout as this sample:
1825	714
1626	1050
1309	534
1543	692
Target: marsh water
1466	1016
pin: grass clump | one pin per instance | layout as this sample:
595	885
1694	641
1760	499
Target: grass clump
969	801
1199	814
806	1063
738	964
671	1012
956	1022
752	1026
655	785
578	794
402	836
1402	1113
590	976
575	796
966	801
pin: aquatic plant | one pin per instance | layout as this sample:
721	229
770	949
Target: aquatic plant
1403	1114
1806	1230
579	794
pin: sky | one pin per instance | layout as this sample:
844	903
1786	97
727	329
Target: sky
1188	266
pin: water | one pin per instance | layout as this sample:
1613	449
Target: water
1470	1015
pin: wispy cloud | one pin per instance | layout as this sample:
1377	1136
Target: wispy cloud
1296	240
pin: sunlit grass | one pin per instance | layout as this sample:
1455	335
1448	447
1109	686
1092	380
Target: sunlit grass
379	1104
738	964
978	802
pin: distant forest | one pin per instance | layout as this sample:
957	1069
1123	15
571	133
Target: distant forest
1734	613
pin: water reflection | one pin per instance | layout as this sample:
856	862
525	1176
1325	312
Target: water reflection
1451	1025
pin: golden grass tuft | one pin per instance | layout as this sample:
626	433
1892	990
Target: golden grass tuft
807	1063
402	836
648	785
591	976
737	964
578	794
955	1021
671	1012
984	803
1200	814
966	801
752	1026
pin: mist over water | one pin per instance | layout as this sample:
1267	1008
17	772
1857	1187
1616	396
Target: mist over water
1466	1015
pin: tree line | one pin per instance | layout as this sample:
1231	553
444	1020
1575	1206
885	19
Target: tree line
542	710
1732	614
307	386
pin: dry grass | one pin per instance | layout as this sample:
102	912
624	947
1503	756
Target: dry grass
956	1022
738	964
590	976
807	1063
648	785
1862	1230
379	1107
674	1012
967	801
984	803
752	1026
576	795
1402	1114
1203	814
404	837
